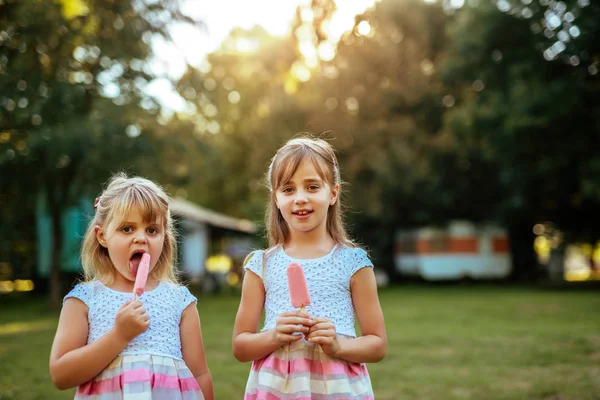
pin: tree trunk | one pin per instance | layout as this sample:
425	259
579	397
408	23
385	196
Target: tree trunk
524	261
58	185
55	272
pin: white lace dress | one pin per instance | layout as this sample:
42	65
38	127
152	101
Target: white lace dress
151	366
302	370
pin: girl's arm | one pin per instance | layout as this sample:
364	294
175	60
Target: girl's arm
192	349
72	361
372	344
247	344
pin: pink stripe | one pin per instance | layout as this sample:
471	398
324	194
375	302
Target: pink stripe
116	383
99	387
136	375
300	365
189	384
262	395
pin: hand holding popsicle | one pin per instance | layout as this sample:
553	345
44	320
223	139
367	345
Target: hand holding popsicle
131	320
141	276
291	322
322	331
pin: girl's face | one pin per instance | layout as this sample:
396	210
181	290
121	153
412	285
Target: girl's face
127	239
305	199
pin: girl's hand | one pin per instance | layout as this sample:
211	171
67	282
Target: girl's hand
323	333
290	322
131	320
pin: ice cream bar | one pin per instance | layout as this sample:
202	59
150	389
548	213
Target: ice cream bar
298	289
141	275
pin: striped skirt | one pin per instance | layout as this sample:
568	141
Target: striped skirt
142	377
302	371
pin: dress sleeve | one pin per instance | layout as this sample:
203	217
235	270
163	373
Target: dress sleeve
187	297
360	260
254	262
81	291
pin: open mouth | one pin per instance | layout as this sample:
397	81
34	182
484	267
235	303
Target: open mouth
134	261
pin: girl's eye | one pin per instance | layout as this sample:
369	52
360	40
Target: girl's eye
313	187
127	229
287	190
153	231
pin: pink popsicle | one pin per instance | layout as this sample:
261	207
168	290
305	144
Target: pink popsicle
141	275
298	289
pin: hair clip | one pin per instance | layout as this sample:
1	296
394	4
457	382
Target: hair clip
96	202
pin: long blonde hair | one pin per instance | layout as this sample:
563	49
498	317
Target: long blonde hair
283	166
120	196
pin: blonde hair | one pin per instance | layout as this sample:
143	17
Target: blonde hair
283	165
120	196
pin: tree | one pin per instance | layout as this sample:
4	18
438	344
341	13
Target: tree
72	79
356	91
242	112
528	114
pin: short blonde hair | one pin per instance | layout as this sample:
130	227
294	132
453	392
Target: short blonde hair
120	196
283	166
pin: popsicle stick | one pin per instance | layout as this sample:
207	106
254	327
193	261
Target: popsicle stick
303	309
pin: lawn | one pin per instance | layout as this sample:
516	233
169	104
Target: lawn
445	342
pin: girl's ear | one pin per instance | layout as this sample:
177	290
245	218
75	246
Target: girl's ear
100	235
335	190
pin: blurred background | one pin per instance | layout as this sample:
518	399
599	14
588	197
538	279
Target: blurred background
468	133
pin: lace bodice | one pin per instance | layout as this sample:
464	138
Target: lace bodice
164	305
328	280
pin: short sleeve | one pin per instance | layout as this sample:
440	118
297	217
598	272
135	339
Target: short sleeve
187	297
81	291
360	259
255	262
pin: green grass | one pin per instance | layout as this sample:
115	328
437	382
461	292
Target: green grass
445	342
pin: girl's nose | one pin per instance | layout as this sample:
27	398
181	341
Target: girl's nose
300	198
139	239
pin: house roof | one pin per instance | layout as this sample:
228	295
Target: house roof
194	212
